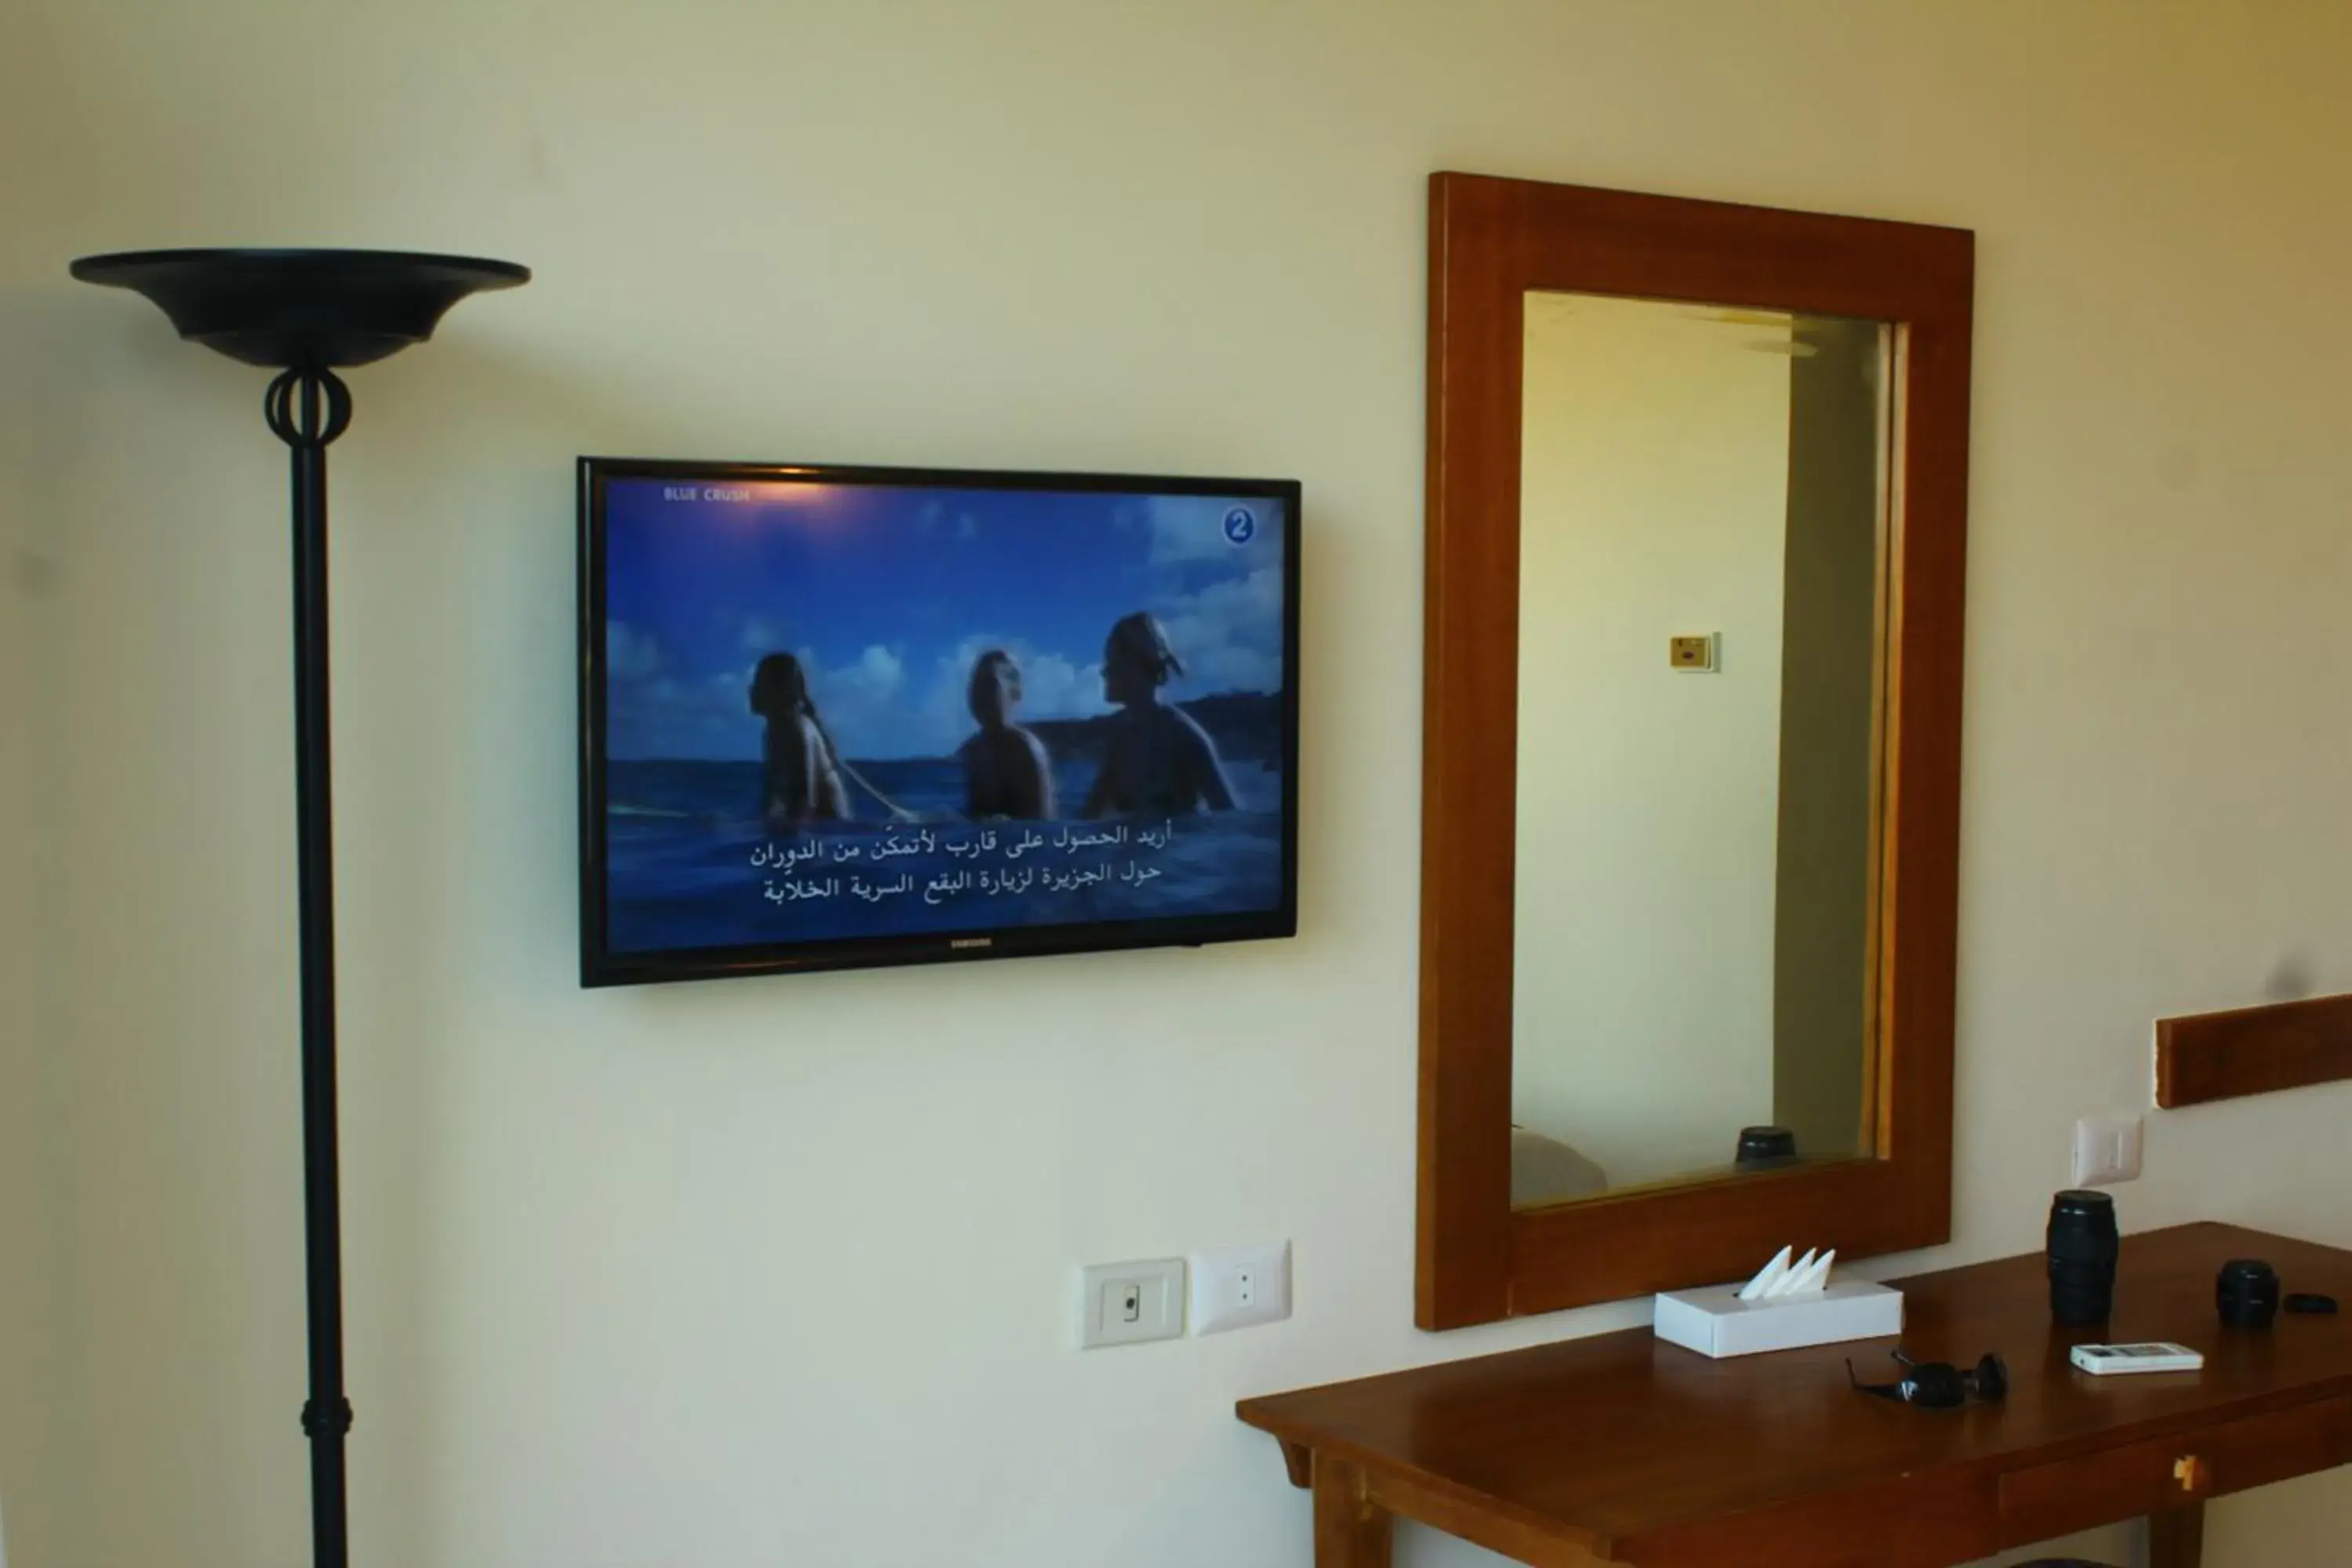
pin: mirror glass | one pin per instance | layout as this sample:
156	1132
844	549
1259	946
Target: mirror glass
1702	531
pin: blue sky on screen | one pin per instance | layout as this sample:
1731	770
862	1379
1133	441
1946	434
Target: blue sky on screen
888	595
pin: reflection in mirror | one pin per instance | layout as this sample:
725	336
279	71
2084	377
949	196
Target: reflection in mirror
1702	569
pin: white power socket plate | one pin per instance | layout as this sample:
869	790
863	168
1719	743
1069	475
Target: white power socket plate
1238	1286
2106	1149
1128	1303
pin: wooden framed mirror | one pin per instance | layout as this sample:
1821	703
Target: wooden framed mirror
1696	537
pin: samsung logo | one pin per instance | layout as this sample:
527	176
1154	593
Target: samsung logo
955	941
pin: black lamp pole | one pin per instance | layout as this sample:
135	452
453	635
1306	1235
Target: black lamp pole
305	312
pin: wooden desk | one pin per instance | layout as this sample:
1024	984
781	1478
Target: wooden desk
1621	1448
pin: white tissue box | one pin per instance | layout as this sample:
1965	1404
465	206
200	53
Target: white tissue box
1715	1321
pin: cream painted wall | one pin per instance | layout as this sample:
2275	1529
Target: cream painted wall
30	1216
780	1271
1654	498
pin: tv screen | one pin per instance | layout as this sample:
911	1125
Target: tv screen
836	716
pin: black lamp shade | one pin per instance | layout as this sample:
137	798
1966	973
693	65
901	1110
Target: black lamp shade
307	309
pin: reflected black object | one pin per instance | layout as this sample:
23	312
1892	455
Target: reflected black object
2246	1291
1938	1384
2310	1303
1763	1148
2082	1244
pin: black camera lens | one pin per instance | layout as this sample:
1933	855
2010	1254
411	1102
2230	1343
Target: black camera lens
1761	1148
2083	1246
2247	1294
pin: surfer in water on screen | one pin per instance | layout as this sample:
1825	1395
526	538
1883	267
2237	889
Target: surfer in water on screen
1159	760
1005	771
799	774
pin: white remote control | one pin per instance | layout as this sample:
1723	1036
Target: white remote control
2161	1355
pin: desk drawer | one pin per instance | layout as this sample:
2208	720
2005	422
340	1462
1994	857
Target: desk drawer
2067	1495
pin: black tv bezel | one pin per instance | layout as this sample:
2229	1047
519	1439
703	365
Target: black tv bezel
600	966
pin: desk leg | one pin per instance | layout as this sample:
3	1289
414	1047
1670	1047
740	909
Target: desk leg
2176	1539
1351	1531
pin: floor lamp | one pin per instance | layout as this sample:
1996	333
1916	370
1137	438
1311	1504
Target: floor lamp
305	314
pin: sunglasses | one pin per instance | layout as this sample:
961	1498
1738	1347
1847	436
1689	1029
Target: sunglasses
1938	1384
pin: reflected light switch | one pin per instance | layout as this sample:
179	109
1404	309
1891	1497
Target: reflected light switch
1694	653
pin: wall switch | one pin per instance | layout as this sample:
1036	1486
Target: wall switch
1127	1303
1235	1287
2106	1149
1698	655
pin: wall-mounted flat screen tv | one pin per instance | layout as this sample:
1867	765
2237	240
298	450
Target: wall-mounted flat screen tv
842	716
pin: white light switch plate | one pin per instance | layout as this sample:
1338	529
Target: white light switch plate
2106	1151
1236	1287
1128	1303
